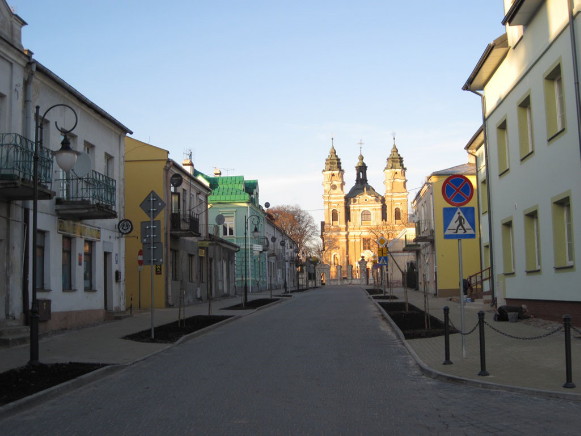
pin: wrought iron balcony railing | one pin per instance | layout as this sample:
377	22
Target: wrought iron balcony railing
17	157
95	188
185	223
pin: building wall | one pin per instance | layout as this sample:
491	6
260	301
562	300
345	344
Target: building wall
538	180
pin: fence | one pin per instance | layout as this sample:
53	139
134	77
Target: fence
482	323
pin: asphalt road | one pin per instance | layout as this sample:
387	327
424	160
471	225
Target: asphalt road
322	363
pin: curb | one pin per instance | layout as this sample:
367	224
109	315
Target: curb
438	375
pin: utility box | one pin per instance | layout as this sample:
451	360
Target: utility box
44	310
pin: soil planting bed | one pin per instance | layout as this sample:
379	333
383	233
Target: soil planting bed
169	333
412	323
30	379
252	304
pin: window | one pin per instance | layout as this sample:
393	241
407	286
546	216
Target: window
397	214
174	264
201	265
191	267
67	263
563	232
525	127
367	244
109	168
507	247
502	147
554	102
334	217
228	226
40	257
532	241
88	266
184	204
483	196
486	259
365	216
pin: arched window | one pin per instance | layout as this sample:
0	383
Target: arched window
397	214
334	217
365	216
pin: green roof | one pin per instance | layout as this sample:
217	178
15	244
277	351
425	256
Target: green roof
230	189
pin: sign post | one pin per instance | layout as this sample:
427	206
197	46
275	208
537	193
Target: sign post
139	269
152	205
459	223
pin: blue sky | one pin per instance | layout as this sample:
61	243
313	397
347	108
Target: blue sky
259	87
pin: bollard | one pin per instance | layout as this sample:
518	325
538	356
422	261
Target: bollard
567	326
483	371
447	360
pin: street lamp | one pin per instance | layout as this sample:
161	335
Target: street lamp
254	219
66	158
282	244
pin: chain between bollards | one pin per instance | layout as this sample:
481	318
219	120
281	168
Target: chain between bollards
447	360
569	372
483	371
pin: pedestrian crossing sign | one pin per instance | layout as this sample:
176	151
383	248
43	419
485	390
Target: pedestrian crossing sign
459	223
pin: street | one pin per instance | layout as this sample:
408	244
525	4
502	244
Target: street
322	362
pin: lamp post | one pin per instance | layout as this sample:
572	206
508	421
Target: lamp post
282	244
254	219
66	158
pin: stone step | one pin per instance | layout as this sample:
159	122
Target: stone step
13	335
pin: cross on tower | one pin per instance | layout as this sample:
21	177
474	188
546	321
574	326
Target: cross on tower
360	143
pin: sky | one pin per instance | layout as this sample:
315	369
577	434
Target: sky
259	87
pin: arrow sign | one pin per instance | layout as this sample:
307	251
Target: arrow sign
459	223
457	190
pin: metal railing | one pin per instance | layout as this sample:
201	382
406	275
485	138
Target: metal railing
95	188
16	159
185	222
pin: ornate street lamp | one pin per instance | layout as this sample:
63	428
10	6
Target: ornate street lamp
66	158
254	219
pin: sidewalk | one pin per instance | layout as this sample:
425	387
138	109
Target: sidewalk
102	343
512	363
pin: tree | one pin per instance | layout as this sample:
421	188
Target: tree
298	224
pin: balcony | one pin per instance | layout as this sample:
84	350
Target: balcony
16	168
411	245
84	198
184	225
424	231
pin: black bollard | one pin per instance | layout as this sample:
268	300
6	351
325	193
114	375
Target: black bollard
483	371
447	360
567	326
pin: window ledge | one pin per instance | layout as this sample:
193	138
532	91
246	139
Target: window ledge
564	267
91	290
69	290
43	290
526	156
503	172
533	271
551	138
512	273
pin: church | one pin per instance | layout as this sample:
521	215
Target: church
357	218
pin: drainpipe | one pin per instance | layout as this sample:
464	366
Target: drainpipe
575	69
490	235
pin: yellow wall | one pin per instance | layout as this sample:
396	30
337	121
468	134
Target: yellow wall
144	172
447	249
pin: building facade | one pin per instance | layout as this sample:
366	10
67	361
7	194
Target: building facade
355	219
438	257
190	264
528	83
79	258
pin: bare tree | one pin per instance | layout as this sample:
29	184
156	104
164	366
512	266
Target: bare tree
298	224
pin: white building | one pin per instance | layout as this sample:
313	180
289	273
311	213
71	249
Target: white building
79	253
531	111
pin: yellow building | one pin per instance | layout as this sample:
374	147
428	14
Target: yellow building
355	220
437	258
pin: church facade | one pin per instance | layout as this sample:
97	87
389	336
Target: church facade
357	218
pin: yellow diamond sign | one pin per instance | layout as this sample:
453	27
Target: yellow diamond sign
382	241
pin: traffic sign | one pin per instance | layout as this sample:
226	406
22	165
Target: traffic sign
457	190
140	257
459	223
382	241
152	205
383	260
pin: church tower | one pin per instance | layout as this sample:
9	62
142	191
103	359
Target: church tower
334	189
396	193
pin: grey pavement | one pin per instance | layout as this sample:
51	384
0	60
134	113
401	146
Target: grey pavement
536	365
